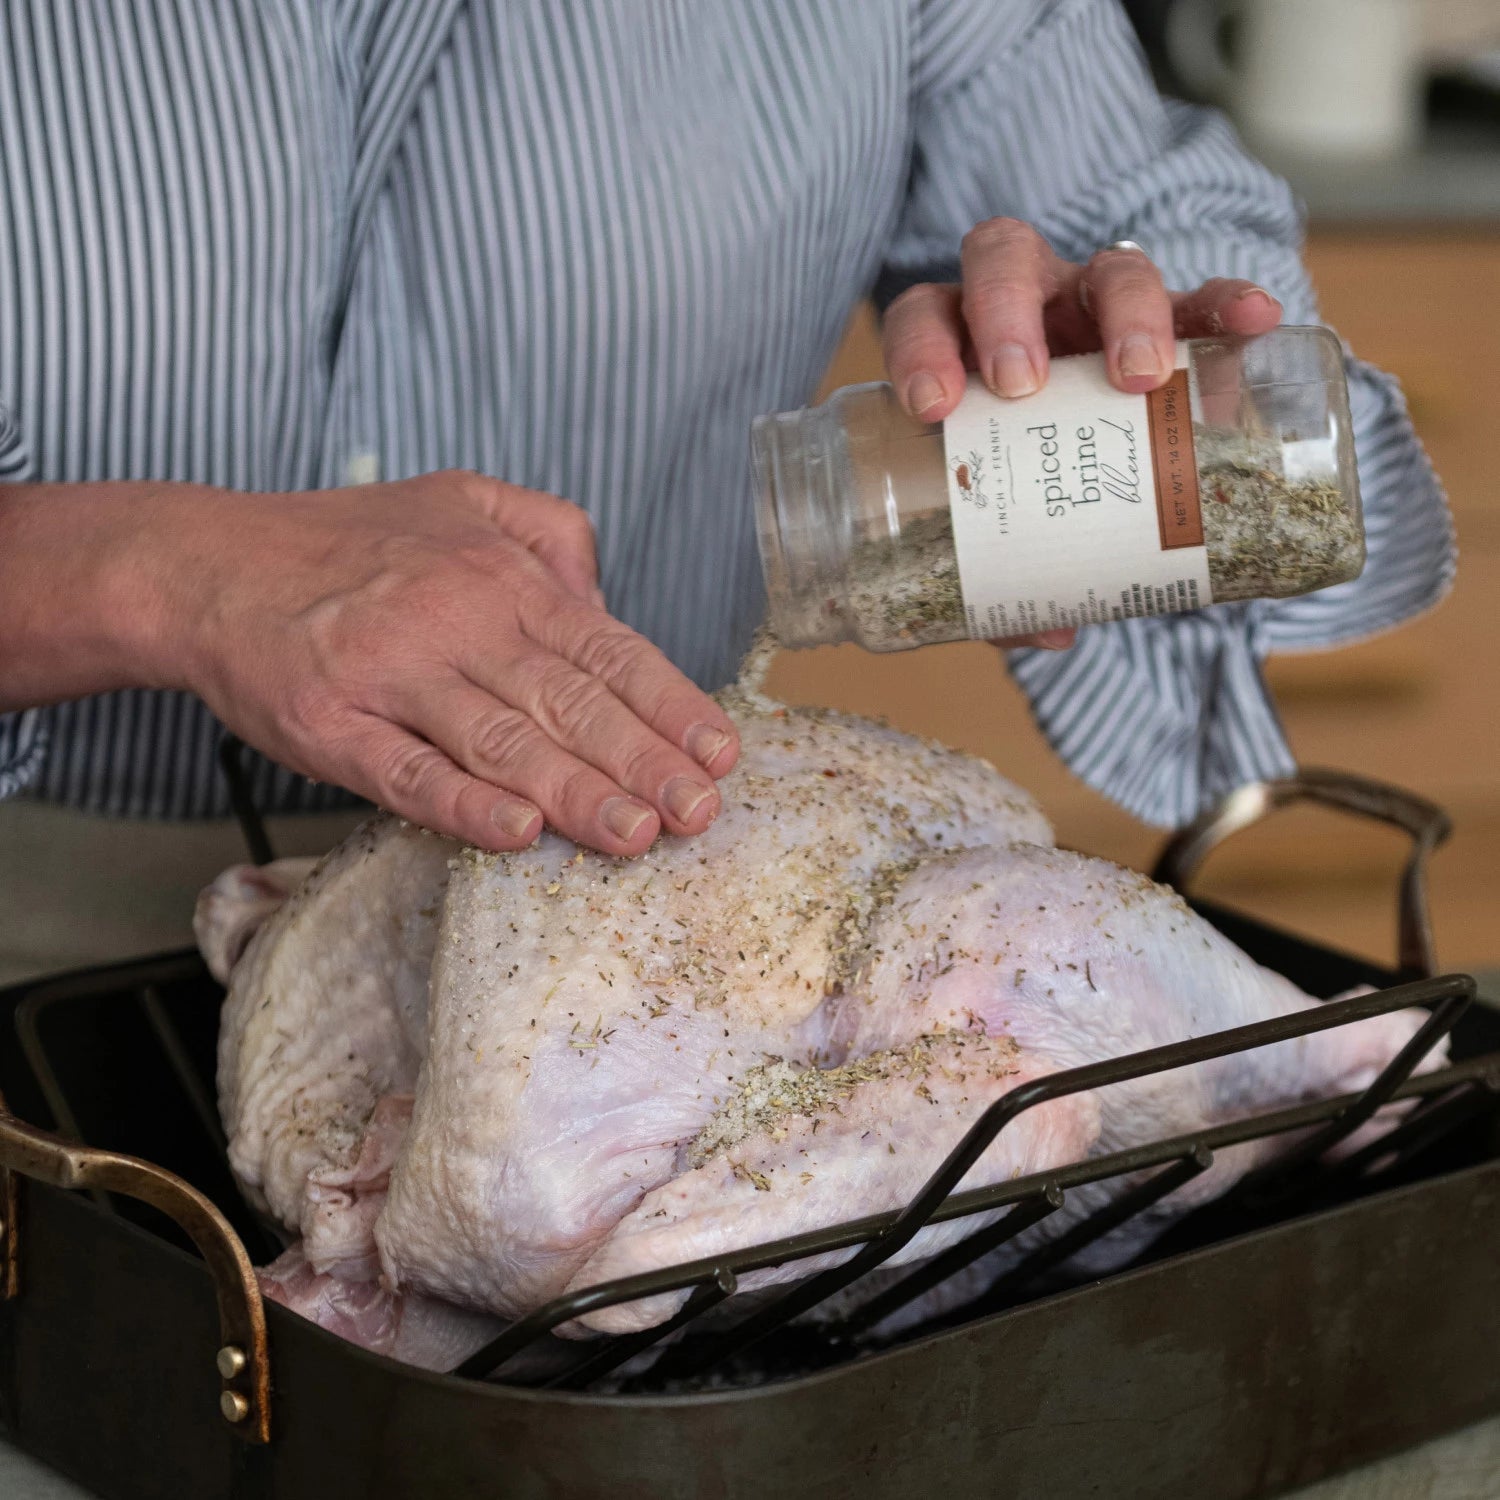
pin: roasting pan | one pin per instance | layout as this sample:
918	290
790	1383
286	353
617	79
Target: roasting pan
1318	1318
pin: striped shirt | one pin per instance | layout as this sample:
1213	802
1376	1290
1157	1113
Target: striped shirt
579	245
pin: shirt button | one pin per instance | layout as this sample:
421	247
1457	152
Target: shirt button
363	468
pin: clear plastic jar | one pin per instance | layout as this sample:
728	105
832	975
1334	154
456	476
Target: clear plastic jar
1076	505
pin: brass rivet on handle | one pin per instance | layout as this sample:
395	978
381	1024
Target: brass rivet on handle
230	1360
234	1406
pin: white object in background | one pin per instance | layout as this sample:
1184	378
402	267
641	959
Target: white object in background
1331	78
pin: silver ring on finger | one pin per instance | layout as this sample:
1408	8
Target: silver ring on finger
1085	296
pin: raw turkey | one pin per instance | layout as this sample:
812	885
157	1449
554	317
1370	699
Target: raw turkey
471	1082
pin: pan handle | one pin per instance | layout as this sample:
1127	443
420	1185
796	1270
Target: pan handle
1426	823
242	1360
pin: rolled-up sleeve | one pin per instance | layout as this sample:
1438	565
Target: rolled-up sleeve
1045	111
23	736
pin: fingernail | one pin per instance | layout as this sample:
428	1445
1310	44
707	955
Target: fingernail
1011	372
684	797
924	392
1139	356
1257	297
622	818
514	819
705	743
1055	640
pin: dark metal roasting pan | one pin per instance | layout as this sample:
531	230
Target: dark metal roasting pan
1318	1317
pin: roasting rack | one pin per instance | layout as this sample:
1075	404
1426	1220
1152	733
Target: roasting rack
119	1063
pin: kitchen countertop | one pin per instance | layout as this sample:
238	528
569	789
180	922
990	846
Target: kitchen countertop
1453	181
23	1478
1464	1465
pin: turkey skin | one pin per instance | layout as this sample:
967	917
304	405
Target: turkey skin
465	1083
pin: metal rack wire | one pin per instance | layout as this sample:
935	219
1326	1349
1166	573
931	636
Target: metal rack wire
1444	1100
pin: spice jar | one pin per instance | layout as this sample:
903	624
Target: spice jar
1073	506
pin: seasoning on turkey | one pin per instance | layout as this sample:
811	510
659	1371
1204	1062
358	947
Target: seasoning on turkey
476	1081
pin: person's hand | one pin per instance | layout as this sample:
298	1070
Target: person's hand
440	646
1020	303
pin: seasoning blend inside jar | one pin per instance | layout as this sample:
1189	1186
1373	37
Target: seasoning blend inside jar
1076	505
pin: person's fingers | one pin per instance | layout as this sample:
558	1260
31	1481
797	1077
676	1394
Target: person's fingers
500	744
640	677
1070	325
1009	275
556	531
1224	306
923	335
1122	290
1046	640
416	780
583	715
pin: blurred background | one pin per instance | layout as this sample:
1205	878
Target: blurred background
1385	116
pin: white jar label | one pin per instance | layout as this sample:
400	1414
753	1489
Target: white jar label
1077	505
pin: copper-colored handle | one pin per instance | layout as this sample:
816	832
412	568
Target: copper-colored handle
242	1361
1426	823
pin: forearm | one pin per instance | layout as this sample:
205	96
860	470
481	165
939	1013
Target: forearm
83	600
